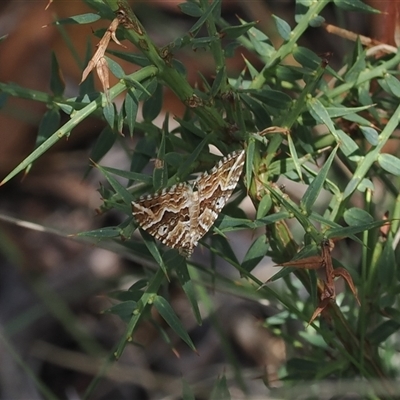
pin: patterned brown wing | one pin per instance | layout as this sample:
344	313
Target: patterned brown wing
179	216
215	189
166	216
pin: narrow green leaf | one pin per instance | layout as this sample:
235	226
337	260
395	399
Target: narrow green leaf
221	246
203	42
103	144
362	170
302	7
335	112
283	28
356	216
145	91
256	253
191	9
389	163
312	192
190	131
115	68
382	332
131	106
127	228
282	273
264	206
153	249
293	154
393	314
133	58
314	340
355	5
213	6
152	106
121	190
79	19
48	125
144	151
57	84
234	32
186	166
356	118
178	263
387	265
274	98
347	145
390	84
259	110
261	42
132	176
249	160
123	310
219	81
370	134
175	159
300	215
230	49
366	184
320	114
166	311
109	114
288	73
271	219
139	285
359	64
316	22
250	68
306	58
348	231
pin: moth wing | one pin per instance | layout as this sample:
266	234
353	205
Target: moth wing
216	187
166	214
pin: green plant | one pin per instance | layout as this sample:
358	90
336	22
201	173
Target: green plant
271	112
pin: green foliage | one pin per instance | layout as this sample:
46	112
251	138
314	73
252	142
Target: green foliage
270	109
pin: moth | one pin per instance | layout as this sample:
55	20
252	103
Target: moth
179	216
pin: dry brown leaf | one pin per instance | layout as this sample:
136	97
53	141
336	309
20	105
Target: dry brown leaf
98	60
324	261
321	307
313	262
347	277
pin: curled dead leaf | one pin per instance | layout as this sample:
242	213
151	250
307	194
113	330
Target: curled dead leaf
324	261
98	60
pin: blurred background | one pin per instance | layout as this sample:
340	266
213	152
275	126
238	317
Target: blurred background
53	288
